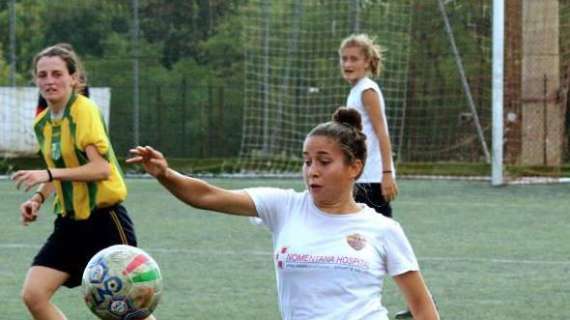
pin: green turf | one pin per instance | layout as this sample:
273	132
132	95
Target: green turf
486	253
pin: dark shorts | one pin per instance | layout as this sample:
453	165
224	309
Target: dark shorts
370	193
73	242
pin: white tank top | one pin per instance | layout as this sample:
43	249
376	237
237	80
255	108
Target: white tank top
373	168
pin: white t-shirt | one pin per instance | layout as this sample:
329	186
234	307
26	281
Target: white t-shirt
330	266
373	168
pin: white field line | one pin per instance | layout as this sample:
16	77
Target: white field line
19	246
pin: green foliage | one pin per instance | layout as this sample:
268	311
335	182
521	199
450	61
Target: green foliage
10	165
191	62
4	68
190	65
181	26
4	166
93	18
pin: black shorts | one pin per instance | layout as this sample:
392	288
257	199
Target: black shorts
371	194
73	242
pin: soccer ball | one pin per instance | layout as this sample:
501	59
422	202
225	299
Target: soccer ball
122	283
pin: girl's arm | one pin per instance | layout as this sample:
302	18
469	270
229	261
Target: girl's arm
43	193
371	102
194	192
96	169
417	295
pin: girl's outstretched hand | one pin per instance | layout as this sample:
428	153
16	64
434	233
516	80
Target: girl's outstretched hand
153	161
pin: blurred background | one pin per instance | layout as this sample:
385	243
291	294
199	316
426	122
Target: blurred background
235	85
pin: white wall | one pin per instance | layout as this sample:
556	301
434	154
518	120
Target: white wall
17	111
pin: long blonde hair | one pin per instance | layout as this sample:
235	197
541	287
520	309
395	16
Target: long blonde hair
371	50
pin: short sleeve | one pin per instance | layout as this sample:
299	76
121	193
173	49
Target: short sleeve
400	257
90	129
272	205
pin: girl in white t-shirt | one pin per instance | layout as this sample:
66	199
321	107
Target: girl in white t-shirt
361	58
331	254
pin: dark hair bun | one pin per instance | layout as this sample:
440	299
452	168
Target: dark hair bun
348	117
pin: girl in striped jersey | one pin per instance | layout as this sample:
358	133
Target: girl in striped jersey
82	172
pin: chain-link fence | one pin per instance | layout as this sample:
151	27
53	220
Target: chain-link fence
174	67
176	70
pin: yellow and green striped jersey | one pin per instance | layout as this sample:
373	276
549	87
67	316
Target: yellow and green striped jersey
62	144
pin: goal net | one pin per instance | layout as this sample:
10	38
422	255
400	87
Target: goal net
293	79
437	82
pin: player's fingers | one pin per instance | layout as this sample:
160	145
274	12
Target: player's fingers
155	152
28	186
388	194
138	151
142	149
18	175
23	205
19	182
158	162
136	159
25	218
27	208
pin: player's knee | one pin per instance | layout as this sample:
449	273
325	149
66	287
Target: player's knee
33	298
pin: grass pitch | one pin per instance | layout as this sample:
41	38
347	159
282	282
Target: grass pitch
486	253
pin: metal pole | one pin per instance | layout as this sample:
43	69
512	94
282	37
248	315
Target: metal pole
498	68
545	120
466	88
12	31
135	57
356	16
266	115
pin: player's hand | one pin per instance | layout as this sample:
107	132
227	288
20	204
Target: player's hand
389	187
30	178
29	212
152	160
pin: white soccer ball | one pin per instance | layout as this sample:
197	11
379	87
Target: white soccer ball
122	283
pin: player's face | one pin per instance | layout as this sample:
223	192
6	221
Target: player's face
353	64
327	176
54	81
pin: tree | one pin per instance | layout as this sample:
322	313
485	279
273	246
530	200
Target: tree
182	25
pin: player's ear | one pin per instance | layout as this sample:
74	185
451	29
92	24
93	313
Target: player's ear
355	168
75	80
